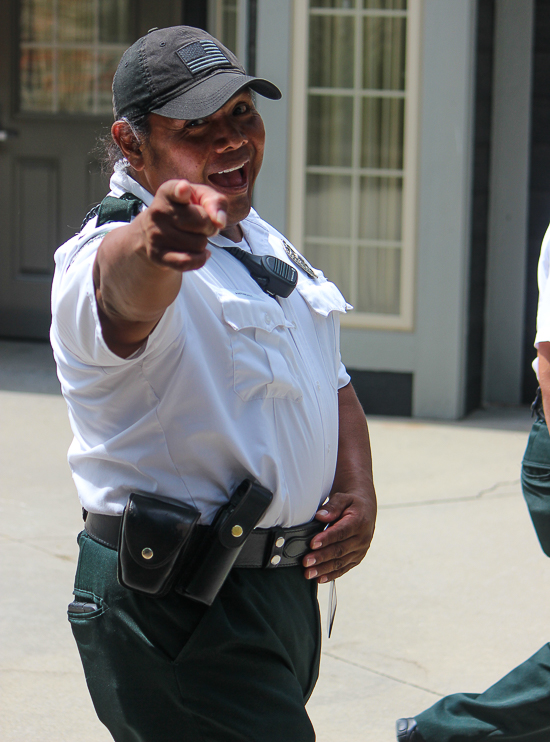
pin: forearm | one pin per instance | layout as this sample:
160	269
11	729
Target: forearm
354	463
132	292
138	268
350	512
544	377
128	283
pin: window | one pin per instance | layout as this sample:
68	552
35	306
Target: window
69	52
222	22
354	145
227	21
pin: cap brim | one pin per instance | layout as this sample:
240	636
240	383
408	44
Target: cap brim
212	93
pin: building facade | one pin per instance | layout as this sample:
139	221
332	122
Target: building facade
407	160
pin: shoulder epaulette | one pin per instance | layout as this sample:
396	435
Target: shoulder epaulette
89	215
113	209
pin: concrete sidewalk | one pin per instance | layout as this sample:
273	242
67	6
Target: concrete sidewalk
452	595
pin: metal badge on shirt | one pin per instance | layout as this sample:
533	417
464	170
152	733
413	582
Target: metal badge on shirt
299	260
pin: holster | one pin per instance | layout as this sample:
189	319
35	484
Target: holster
154	536
230	529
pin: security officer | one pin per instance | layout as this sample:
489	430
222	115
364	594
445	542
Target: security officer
517	707
191	361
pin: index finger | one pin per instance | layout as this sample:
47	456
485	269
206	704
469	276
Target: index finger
212	202
184	192
340	530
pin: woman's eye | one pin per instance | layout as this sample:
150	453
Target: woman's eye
194	123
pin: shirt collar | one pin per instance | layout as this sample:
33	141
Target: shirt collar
121	183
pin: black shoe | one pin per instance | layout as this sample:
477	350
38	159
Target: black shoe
407	731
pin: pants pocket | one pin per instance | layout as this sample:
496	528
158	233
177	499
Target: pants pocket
85	607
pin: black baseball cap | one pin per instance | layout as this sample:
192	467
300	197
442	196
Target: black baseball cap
180	72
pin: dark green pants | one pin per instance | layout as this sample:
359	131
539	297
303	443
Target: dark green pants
170	670
535	481
518	706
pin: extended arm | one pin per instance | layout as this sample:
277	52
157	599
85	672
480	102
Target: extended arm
351	508
138	268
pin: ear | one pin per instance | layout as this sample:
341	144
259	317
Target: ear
128	143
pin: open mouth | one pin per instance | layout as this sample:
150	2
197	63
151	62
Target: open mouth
233	178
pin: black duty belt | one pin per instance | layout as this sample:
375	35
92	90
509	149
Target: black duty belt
264	548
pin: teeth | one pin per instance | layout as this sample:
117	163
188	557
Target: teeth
231	169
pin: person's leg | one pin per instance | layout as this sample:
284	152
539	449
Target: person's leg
257	654
535	481
164	670
517	708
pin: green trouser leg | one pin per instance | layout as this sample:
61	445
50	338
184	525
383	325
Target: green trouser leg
535	481
516	708
171	670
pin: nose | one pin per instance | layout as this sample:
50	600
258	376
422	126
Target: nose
229	135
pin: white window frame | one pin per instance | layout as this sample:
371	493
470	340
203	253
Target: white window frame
215	25
298	148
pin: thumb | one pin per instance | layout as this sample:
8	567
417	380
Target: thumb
333	508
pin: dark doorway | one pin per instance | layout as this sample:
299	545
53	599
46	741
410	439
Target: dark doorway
195	13
56	66
480	203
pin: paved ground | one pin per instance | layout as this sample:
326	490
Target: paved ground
453	594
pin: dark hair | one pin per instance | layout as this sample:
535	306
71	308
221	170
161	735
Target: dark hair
107	150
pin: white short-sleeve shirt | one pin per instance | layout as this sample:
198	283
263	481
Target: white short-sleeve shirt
543	310
232	383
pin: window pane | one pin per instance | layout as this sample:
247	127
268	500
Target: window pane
36	80
380	208
334	261
223	21
76	81
328	206
353	130
329	130
114	22
380	272
76	20
107	64
68	68
331	49
382	133
386	4
37	20
229	36
384	57
332	4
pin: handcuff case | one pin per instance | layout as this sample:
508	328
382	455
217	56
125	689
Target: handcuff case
154	536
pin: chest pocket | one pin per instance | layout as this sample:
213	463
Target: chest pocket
264	364
324	300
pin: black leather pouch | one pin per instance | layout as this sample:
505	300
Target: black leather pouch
153	541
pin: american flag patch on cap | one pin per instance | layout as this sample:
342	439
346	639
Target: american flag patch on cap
202	55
